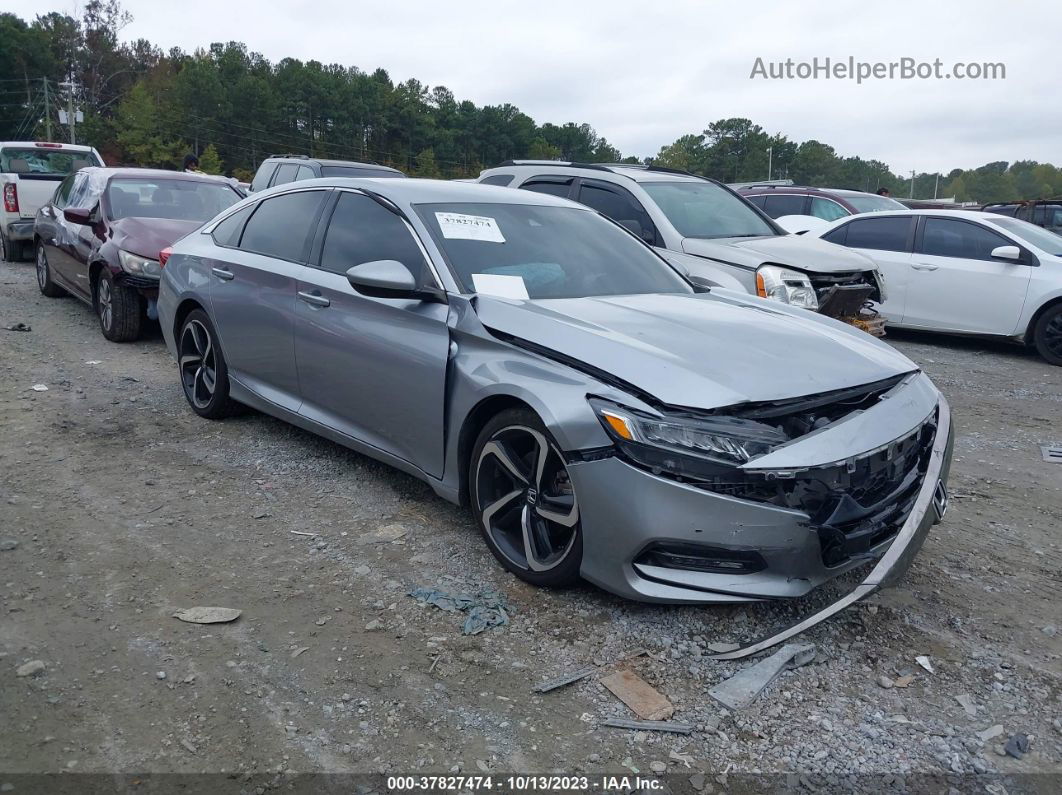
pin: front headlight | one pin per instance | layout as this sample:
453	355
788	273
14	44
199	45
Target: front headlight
785	285
139	266
686	445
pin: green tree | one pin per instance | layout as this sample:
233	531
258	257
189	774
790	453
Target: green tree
210	161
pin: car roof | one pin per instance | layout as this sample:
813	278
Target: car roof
635	172
102	172
56	146
320	161
420	191
970	215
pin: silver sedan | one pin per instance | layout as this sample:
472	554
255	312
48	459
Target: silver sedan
602	417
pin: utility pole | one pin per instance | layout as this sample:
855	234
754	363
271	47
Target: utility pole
912	183
70	107
47	111
770	161
936	185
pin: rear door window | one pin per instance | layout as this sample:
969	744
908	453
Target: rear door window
498	179
778	204
227	233
305	172
757	200
883	234
274	228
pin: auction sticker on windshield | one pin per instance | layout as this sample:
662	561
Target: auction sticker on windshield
500	286
457	226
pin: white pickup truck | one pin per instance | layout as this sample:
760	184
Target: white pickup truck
30	171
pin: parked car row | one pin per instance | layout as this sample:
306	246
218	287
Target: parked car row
575	374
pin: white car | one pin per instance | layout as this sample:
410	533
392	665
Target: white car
964	272
30	171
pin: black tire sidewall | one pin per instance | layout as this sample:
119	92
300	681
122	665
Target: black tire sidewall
1041	329
567	572
220	405
126	310
49	288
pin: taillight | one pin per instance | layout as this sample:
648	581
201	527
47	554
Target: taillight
165	255
11	197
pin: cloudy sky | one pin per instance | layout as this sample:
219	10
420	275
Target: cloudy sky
645	73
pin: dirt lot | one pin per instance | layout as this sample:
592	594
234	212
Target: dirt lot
118	506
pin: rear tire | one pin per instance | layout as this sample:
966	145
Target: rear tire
44	275
1047	335
524	501
118	308
202	369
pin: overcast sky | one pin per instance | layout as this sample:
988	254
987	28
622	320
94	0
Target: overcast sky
644	73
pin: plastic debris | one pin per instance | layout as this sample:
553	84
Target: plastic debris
1017	746
561	681
649	725
40	388
18	327
485	609
207	615
742	688
645	701
925	663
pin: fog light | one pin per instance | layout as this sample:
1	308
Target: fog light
695	557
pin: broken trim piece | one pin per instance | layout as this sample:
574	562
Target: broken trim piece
929	508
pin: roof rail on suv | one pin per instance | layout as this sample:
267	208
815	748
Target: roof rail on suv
759	185
565	163
296	157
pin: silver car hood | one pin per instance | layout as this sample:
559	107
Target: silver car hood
700	351
808	254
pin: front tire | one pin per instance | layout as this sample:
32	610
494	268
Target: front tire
1047	335
119	309
524	501
44	275
201	364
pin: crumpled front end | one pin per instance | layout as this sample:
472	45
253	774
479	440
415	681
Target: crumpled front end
855	472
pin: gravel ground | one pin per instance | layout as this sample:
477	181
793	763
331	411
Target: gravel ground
118	506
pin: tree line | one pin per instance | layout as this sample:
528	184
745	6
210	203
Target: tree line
233	107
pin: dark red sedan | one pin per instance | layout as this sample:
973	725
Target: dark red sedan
100	235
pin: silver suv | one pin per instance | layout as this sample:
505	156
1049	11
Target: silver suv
711	233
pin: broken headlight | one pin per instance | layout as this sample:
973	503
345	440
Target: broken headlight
785	285
686	445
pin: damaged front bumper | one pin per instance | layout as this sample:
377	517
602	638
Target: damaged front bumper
794	522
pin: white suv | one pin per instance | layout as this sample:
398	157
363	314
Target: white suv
711	233
964	272
30	171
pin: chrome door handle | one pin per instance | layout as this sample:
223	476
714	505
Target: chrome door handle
924	266
223	274
314	299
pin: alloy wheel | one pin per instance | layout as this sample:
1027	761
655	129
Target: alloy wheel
42	268
525	498
105	302
197	364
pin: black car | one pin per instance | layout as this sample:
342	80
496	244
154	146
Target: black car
1042	212
282	169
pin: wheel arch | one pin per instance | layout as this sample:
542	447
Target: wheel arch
185	308
95	269
474	422
1039	313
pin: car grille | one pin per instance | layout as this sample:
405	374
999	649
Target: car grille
822	282
854	505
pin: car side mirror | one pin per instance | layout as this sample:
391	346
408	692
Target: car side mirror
1012	253
80	216
389	278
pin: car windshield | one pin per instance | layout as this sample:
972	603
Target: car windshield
873	204
45	162
704	209
529	251
177	199
1043	239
